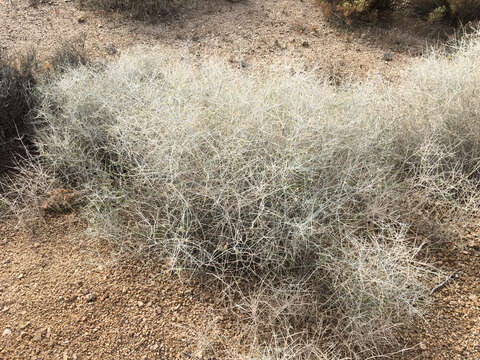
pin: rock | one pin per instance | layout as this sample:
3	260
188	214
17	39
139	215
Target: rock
277	44
81	19
25	325
140	303
111	49
41	334
20	277
423	346
7	332
239	62
72	298
91	297
387	56
306	44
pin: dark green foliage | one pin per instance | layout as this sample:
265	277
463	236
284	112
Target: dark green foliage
452	10
354	9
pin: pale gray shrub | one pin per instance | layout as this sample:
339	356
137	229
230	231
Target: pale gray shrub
276	177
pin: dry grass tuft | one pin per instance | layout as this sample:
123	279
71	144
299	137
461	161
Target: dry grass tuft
136	8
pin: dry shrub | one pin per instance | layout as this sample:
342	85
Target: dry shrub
354	9
69	54
30	184
465	10
136	8
278	180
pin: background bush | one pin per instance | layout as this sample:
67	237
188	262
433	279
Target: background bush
355	9
137	8
453	10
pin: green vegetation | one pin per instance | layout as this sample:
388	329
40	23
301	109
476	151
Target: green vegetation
352	9
454	11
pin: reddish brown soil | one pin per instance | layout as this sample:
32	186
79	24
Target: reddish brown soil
61	298
451	326
248	32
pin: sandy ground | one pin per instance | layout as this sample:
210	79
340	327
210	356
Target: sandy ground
244	33
61	298
451	325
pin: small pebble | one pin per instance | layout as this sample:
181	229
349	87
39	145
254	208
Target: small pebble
90	297
387	56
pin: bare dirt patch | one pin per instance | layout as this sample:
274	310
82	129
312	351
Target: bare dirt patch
62	299
244	33
450	328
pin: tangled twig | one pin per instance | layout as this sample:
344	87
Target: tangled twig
443	283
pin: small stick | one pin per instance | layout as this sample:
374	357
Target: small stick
443	283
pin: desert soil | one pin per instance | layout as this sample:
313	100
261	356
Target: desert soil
450	328
62	298
244	33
